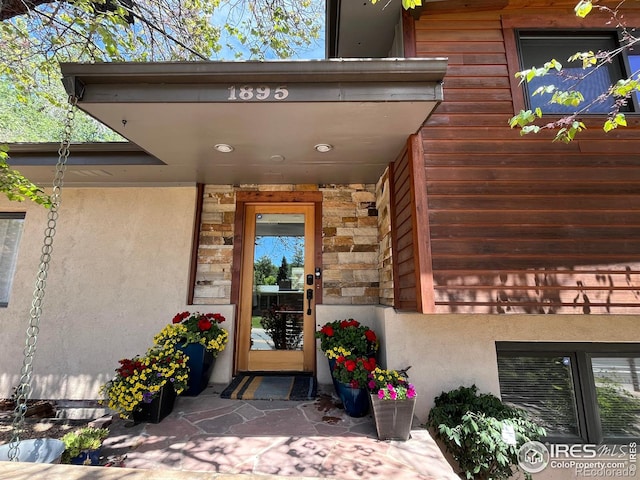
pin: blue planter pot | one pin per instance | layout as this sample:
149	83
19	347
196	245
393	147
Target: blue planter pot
87	457
355	400
200	363
332	364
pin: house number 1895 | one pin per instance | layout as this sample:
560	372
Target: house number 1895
261	92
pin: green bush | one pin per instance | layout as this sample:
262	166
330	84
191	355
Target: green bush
470	426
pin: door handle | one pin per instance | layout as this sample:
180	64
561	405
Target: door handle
309	298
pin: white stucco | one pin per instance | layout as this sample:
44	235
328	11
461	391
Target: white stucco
119	273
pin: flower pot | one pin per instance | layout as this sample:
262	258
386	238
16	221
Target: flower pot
37	450
160	407
355	400
200	363
87	457
332	364
393	417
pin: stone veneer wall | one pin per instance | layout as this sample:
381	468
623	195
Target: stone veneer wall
350	243
385	257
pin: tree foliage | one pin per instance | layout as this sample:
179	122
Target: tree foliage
16	187
36	35
264	268
568	126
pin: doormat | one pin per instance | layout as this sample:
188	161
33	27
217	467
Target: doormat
269	386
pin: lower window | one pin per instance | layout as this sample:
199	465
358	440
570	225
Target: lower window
10	231
579	392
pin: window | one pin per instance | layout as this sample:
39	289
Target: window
10	230
537	48
579	392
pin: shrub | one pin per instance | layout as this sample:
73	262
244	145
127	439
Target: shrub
83	439
470	426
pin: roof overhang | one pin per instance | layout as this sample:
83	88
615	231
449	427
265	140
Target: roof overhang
271	113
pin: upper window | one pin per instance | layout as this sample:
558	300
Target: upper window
10	231
537	48
577	392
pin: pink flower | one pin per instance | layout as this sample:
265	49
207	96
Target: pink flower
381	394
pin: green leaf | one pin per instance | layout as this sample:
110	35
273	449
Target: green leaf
615	122
582	8
544	89
407	4
588	59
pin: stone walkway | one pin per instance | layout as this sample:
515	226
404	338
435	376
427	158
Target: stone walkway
287	439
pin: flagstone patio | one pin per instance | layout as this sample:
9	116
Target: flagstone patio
314	439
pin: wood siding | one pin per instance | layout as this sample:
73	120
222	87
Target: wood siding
521	224
413	284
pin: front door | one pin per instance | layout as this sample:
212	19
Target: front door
277	304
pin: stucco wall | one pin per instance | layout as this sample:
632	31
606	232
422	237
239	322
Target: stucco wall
119	273
447	351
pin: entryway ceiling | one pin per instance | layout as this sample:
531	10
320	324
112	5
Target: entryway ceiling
272	114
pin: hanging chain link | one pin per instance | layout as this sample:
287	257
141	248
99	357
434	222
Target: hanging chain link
23	391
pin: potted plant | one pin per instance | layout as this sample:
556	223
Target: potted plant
201	338
347	337
471	425
344	338
352	376
145	387
393	400
82	446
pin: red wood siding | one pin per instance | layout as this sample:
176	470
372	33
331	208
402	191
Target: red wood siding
413	284
521	225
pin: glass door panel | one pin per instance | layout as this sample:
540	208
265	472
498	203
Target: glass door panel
278	288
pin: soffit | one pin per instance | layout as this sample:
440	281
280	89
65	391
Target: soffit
177	112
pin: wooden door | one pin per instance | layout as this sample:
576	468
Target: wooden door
277	309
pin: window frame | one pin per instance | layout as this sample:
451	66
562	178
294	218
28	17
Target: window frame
12	216
581	354
619	66
512	24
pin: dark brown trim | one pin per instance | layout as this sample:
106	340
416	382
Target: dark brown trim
513	66
421	232
318	249
279	197
195	243
408	34
236	266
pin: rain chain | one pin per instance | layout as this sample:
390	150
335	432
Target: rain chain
23	391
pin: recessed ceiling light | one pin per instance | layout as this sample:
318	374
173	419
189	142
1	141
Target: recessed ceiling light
276	158
323	147
223	147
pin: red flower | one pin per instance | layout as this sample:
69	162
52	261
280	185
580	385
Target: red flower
371	335
370	364
204	324
350	365
349	323
327	330
180	316
340	359
218	318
